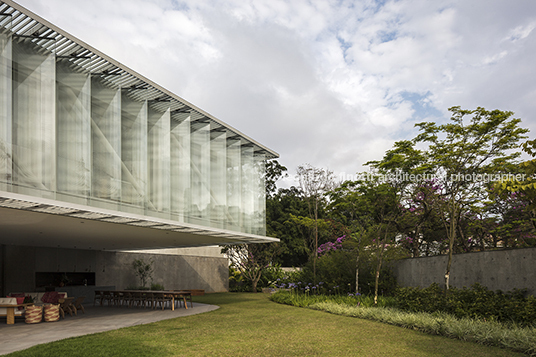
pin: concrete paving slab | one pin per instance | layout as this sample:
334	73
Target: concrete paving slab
20	335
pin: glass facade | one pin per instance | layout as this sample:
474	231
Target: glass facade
77	129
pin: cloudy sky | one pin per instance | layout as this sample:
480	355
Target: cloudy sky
330	83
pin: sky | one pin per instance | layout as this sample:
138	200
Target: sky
328	83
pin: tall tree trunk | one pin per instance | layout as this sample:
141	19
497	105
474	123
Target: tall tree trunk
255	281
452	237
378	268
415	242
357	273
316	242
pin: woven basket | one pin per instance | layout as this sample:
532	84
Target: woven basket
52	313
34	314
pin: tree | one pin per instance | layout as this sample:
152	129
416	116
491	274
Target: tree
143	270
281	205
274	172
251	259
371	208
280	208
405	170
347	206
419	223
315	183
524	183
461	155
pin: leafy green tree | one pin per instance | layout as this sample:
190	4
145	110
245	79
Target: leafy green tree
404	168
274	172
370	208
524	184
512	204
280	208
348	206
474	144
251	259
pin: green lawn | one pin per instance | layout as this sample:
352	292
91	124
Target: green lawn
251	325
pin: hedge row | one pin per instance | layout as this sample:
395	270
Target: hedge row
475	302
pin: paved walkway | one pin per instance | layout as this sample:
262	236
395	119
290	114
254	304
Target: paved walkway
96	319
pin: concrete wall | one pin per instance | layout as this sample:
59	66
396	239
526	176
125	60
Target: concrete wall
172	271
210	251
498	270
19	264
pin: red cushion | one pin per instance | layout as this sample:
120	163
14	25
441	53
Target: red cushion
50	297
17	295
20	300
61	296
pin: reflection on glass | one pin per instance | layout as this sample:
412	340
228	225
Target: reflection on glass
34	119
75	136
73	116
5	110
159	159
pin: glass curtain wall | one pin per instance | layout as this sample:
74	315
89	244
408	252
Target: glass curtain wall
234	183
218	178
106	143
73	117
248	188
259	219
5	107
180	166
134	153
71	135
158	162
200	173
34	119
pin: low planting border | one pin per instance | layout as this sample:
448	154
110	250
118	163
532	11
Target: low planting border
519	339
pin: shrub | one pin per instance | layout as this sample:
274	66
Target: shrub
157	287
338	269
476	302
295	298
237	283
137	287
466	329
271	275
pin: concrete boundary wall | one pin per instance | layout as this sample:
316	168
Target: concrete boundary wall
497	270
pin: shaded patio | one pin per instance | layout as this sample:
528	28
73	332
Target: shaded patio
96	319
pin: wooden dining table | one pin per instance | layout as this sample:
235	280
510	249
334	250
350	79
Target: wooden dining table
174	294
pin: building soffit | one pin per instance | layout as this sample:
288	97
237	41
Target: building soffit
31	221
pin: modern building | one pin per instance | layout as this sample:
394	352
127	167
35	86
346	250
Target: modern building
96	159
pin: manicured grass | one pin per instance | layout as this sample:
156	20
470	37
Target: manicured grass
490	333
251	325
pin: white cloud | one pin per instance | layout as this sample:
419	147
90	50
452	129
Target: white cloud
520	32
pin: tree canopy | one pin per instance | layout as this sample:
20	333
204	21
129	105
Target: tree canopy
455	187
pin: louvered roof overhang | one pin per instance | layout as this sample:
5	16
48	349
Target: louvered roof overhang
26	220
31	221
26	25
